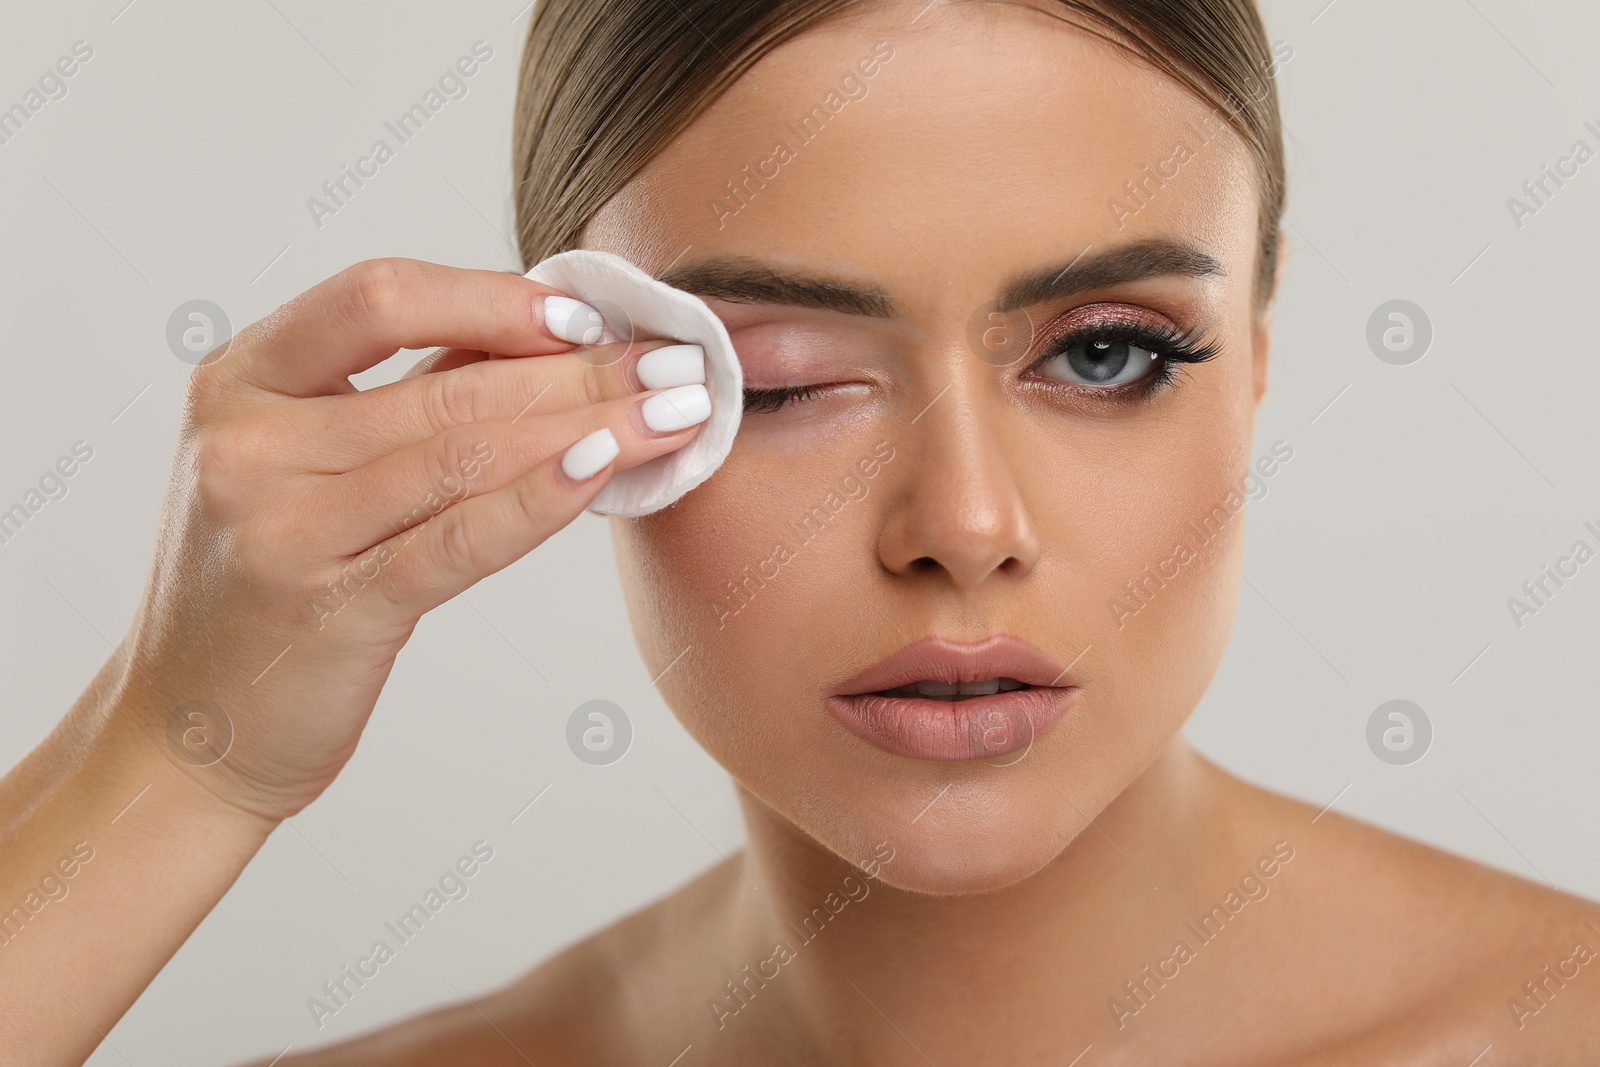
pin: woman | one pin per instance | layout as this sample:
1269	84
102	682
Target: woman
1000	277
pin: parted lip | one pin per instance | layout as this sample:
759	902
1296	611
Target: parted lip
941	659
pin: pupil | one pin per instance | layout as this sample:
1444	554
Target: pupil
1100	361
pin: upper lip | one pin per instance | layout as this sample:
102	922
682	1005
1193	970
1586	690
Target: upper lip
941	659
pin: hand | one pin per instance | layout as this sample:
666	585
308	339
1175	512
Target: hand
308	525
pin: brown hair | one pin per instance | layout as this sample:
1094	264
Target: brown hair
607	84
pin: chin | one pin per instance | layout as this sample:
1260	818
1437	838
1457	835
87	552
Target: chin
989	828
970	855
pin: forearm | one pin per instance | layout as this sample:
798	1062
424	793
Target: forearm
112	854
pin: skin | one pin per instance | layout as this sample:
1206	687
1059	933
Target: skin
1003	904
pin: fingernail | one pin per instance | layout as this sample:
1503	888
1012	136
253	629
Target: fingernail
573	320
590	455
677	409
663	368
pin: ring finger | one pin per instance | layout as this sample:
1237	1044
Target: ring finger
418	481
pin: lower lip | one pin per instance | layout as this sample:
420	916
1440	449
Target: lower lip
983	727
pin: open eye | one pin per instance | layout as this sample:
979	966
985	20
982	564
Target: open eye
1121	358
1098	361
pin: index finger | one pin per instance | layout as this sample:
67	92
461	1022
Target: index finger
368	312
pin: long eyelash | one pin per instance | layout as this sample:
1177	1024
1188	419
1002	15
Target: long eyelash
1171	346
760	400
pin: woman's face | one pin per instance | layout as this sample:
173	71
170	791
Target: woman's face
987	448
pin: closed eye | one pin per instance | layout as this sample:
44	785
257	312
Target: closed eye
757	401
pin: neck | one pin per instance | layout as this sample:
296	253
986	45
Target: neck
1051	949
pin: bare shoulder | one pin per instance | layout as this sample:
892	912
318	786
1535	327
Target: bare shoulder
616	997
1433	954
584	1005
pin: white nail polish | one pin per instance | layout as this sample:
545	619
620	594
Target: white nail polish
663	368
590	455
677	409
573	320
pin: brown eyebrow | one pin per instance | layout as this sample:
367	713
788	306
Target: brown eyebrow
1153	258
739	279
748	281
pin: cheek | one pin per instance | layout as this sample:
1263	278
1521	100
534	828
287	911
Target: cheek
688	566
713	584
1161	555
670	563
751	588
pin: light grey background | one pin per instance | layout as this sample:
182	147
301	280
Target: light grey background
1378	567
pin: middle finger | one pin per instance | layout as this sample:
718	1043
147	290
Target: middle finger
351	430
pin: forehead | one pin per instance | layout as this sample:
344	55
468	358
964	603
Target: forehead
938	156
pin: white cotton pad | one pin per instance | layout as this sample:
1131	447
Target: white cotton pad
636	306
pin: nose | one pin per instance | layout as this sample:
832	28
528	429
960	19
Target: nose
960	512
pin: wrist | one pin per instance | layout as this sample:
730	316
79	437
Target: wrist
102	810
183	754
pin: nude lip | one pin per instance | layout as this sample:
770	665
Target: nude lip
979	727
